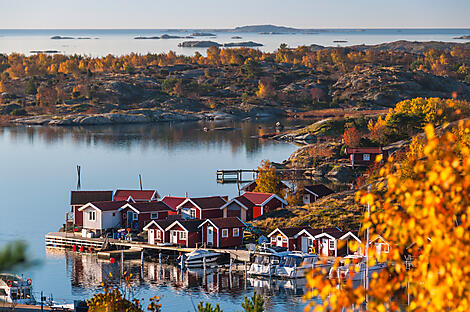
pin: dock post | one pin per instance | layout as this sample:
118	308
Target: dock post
230	265
160	257
245	270
122	263
204	264
142	258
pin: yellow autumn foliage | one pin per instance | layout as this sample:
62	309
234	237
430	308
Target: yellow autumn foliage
424	218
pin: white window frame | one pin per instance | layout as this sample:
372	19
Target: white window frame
92	215
192	213
224	233
135	216
183	235
236	232
331	244
152	215
159	234
366	157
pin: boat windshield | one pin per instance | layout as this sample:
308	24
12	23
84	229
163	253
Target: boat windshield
20	293
291	261
262	260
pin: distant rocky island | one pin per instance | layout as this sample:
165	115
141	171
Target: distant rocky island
207	44
266	29
202	34
463	37
69	38
165	36
44	51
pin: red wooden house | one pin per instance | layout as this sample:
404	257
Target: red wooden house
311	193
201	207
251	205
222	232
365	156
156	231
136	195
287	237
80	198
137	215
184	233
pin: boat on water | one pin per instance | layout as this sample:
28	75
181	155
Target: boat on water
297	264
355	270
197	258
16	289
265	262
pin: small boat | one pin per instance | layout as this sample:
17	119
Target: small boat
197	258
297	264
266	261
15	289
355	270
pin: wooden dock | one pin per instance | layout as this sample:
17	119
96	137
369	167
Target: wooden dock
130	248
236	176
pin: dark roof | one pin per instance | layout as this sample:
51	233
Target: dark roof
109	205
230	222
173	201
145	195
243	200
209	202
151	206
360	150
319	189
191	225
250	187
83	197
335	232
292	231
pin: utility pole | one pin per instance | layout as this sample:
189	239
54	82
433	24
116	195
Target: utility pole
367	254
140	181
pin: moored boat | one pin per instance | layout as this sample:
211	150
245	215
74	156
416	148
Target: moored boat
355	270
197	258
265	262
15	289
297	264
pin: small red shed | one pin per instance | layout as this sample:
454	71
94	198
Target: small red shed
184	232
365	156
202	207
156	231
137	215
222	232
286	237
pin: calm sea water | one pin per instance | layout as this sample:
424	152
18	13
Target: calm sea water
37	170
119	42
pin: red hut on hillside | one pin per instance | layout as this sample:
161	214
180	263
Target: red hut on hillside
365	156
251	205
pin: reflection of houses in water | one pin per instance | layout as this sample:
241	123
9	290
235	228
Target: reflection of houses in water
89	271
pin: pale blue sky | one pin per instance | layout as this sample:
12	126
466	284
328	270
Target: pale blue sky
228	14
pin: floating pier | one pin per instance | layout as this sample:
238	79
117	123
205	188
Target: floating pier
236	176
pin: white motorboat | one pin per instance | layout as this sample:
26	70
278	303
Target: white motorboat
197	258
297	264
355	270
265	262
15	289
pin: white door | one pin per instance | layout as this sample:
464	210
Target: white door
151	236
304	244
174	237
279	241
210	236
324	247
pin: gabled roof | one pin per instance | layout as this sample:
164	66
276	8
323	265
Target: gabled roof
222	223
290	232
162	224
188	225
210	202
105	205
84	197
261	199
250	187
241	201
143	207
352	235
333	233
319	190
137	195
377	237
360	150
173	201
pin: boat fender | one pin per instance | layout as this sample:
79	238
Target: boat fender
9	283
29	281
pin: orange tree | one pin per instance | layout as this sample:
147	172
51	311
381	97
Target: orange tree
267	180
423	216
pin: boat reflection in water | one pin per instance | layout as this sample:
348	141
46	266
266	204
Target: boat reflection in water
87	274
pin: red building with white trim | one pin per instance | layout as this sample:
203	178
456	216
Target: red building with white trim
80	198
251	205
222	232
136	195
156	231
184	233
202	207
137	215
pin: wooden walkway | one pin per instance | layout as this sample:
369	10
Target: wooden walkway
68	240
